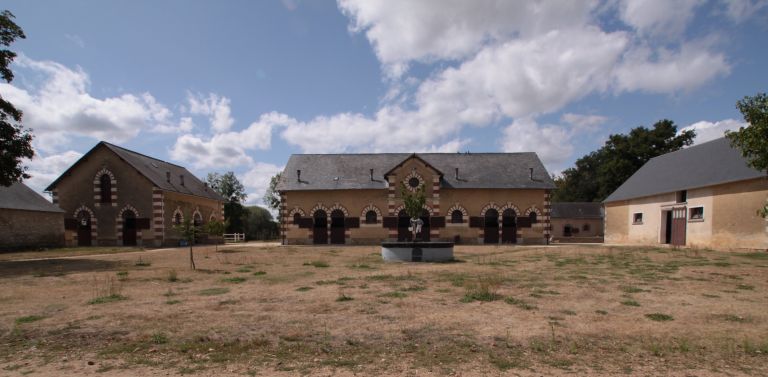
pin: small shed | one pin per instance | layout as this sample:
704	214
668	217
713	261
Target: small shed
577	222
27	220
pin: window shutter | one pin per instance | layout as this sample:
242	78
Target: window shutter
476	222
142	223
523	222
351	222
437	222
390	222
305	222
70	224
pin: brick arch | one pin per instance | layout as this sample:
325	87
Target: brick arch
459	207
488	206
339	207
127	207
533	209
177	211
94	223
425	206
292	213
212	217
318	207
510	206
97	187
119	224
413	174
197	212
370	207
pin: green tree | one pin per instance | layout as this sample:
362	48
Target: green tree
216	228
259	224
229	187
189	232
15	141
599	173
272	196
413	201
752	140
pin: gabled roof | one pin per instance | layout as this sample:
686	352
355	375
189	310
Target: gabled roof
476	170
711	163
577	210
155	171
415	157
19	196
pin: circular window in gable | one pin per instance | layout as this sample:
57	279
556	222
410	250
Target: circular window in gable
414	182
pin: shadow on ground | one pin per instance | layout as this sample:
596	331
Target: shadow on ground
55	267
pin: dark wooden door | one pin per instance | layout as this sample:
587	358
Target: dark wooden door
678	226
424	235
320	228
84	231
668	227
567	231
337	227
403	222
129	231
508	227
491	233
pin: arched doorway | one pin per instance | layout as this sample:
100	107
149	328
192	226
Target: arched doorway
491	233
403	222
508	226
83	229
129	228
424	235
337	227
320	228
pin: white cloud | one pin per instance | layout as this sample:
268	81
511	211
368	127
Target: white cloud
44	170
667	71
256	180
61	107
216	108
706	131
76	39
658	17
402	30
583	122
551	143
229	148
741	10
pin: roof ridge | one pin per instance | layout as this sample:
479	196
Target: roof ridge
141	154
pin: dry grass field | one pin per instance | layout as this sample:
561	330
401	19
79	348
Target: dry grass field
266	310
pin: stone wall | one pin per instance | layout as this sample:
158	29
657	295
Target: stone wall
30	229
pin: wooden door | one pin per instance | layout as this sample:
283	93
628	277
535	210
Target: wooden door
491	233
508	227
320	228
403	222
129	230
678	226
337	227
424	235
84	230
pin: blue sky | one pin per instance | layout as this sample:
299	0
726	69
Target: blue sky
240	85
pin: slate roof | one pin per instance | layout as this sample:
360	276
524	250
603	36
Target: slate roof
19	196
155	171
476	170
711	163
577	210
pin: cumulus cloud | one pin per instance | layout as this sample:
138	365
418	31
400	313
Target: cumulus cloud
583	122
216	108
551	142
44	170
60	106
658	17
256	180
228	148
706	131
741	10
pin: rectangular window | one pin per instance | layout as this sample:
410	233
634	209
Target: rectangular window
637	218
682	196
696	213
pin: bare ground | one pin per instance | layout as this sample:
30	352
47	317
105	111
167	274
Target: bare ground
266	310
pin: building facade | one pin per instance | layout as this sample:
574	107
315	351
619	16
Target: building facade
478	198
577	222
701	196
27	220
114	196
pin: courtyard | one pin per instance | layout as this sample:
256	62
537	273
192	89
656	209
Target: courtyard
264	309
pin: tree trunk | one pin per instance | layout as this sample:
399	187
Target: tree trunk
191	257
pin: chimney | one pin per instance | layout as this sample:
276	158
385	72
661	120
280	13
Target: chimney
181	178
168	176
457	174
531	169
298	175
205	184
371	174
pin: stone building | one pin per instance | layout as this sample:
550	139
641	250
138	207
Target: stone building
577	222
27	220
475	198
701	196
114	196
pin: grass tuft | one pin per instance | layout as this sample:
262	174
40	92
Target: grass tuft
29	319
630	303
519	303
234	280
317	264
303	289
107	299
213	291
659	317
342	297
